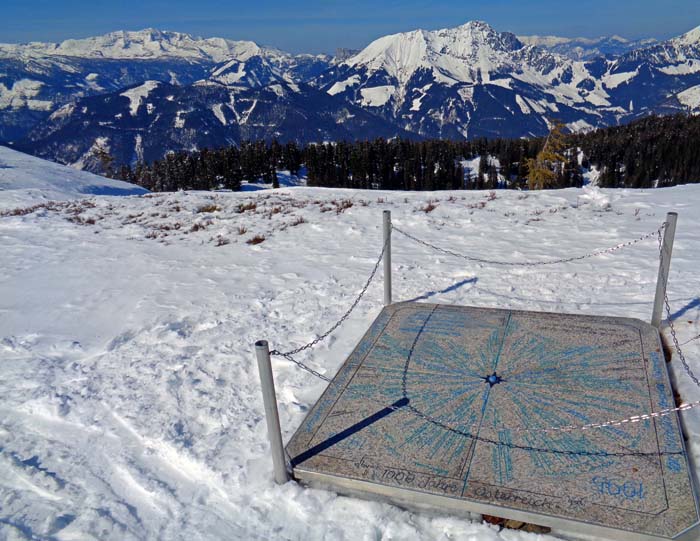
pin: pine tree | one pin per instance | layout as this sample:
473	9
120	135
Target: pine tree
105	159
546	169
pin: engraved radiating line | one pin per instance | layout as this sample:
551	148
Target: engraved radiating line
424	434
457	351
392	380
629	440
447	357
489	355
463	411
590	361
554	404
436	361
550	372
564	368
527	411
576	381
451	392
501	455
427	373
553	465
615	423
497	338
545	463
421	433
553	372
478	429
430	395
547	414
561	360
581	399
555	364
572	389
536	346
435	365
533	349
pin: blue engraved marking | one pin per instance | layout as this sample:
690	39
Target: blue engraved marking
332	391
533	365
668	428
620	489
479	368
442	323
501	454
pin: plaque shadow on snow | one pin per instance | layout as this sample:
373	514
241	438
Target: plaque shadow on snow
340	436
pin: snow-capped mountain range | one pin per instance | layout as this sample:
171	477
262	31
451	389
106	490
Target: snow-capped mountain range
587	48
473	81
152	44
146	44
36	79
60	100
466	81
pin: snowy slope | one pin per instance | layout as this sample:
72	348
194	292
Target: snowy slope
690	98
471	53
130	400
24	179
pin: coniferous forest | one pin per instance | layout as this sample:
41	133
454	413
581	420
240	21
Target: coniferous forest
651	152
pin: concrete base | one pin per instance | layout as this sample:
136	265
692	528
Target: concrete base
446	407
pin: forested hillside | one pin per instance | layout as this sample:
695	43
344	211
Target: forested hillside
651	152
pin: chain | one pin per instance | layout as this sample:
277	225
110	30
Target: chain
567	428
669	320
405	405
691	340
301	365
532	263
345	316
619	422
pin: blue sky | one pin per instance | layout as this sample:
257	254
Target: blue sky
320	26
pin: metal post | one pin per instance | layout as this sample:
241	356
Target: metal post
387	257
262	352
664	267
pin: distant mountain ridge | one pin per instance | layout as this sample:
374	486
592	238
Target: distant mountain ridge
38	78
463	82
587	48
473	81
147	44
467	81
145	122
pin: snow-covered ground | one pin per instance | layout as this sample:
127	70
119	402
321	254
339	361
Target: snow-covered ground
130	404
26	179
